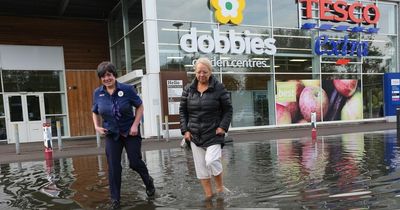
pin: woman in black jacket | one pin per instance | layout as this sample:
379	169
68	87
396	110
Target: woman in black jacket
205	114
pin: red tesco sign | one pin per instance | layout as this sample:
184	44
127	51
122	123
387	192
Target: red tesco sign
343	11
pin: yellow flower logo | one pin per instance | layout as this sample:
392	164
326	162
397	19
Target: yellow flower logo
229	10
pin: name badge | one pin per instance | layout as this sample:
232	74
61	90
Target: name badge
120	93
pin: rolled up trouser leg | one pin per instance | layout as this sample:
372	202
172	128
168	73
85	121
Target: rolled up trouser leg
213	159
200	162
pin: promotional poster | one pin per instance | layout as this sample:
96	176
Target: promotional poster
333	100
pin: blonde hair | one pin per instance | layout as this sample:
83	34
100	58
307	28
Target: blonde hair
205	61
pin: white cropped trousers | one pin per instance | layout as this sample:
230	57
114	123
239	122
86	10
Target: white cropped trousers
207	161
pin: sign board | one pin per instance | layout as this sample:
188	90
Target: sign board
391	86
174	92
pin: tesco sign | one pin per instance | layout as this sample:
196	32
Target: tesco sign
342	11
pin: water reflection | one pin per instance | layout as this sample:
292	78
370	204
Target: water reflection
337	172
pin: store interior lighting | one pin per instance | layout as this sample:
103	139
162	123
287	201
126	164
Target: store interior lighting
297	60
176	57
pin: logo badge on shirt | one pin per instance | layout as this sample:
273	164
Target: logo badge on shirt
101	94
120	93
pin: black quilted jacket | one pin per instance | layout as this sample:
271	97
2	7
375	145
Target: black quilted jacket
203	114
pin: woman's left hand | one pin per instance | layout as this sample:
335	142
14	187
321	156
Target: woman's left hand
133	131
220	131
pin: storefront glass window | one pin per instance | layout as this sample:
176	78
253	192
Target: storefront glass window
257	13
33	108
138	57
383	46
387	23
196	10
250	95
341	76
118	57
172	58
293	64
171	32
32	81
377	65
286	77
293	41
380	45
135	15
263	32
3	131
1	106
54	103
15	103
53	121
333	68
116	29
281	16
373	96
296	64
55	110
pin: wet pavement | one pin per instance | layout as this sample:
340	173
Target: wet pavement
87	146
355	170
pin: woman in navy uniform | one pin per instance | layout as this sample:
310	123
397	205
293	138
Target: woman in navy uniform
113	102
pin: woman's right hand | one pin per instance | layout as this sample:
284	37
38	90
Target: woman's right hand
101	130
187	136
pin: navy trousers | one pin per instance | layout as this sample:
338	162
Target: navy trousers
114	148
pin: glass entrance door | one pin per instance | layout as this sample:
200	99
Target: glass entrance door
25	111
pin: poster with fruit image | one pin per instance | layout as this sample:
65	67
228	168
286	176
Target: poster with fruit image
309	98
345	99
338	99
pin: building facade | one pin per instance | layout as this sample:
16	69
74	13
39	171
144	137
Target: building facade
48	73
281	61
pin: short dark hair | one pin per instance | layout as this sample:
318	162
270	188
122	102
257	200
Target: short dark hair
104	67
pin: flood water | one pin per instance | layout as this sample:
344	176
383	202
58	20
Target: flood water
350	171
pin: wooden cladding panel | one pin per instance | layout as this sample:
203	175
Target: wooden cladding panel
85	42
80	85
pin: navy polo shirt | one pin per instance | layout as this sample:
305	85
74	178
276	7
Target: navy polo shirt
116	109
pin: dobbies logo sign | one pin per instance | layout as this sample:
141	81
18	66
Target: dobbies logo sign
229	10
230	42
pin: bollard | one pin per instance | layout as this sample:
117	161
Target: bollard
166	128
100	163
314	125
98	139
16	136
158	127
47	137
59	141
